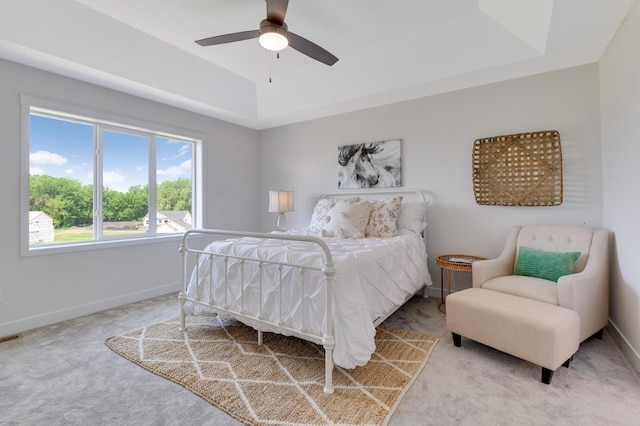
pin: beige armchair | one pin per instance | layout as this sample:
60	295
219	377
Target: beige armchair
586	291
519	308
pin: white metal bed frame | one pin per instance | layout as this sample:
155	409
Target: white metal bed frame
326	338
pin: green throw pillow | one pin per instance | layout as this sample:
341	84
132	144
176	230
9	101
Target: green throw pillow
545	264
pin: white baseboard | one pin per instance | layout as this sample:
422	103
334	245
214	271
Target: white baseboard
49	318
628	351
433	291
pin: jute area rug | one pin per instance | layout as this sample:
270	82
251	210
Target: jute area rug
281	381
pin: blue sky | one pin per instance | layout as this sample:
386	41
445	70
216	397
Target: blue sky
65	149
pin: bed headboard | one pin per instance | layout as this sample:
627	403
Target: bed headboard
409	195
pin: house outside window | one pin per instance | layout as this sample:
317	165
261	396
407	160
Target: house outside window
169	221
40	228
94	179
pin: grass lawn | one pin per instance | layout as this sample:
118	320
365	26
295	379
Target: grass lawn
67	235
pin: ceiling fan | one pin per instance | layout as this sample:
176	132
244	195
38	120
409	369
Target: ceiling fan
274	35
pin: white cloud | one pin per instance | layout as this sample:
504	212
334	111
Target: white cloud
184	150
113	178
36	171
46	157
176	171
70	171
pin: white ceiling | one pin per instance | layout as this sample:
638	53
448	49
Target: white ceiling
388	50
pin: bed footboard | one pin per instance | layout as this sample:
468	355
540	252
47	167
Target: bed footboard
245	284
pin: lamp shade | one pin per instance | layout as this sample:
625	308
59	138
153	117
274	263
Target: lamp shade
273	36
280	201
273	41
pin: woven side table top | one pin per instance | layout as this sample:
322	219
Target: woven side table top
444	261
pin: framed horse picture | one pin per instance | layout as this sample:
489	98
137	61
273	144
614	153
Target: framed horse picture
370	165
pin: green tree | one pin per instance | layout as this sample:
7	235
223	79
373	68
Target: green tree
70	203
57	209
137	199
112	203
64	199
175	194
85	206
125	207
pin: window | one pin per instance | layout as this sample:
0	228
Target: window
94	180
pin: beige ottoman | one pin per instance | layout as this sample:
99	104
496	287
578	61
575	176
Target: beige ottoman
544	334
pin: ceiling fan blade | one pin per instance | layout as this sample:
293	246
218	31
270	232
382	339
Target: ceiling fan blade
276	10
228	38
311	49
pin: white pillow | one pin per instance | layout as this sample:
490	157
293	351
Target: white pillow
411	217
383	218
407	231
319	217
347	220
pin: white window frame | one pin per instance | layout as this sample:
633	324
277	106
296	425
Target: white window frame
106	121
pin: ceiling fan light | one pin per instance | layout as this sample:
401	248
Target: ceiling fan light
273	37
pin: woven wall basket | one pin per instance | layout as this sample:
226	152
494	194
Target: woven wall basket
524	169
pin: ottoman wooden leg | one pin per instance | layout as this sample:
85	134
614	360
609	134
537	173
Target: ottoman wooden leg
457	340
548	374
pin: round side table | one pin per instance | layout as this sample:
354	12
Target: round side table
453	262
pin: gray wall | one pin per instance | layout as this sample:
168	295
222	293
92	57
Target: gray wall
44	289
620	94
437	141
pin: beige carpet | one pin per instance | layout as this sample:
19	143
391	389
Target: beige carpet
281	381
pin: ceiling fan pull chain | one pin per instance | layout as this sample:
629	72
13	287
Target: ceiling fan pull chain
269	67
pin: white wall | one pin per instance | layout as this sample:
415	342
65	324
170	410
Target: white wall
620	105
437	141
43	289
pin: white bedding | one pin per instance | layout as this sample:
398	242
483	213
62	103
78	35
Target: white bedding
372	276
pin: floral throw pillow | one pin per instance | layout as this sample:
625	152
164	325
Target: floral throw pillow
383	218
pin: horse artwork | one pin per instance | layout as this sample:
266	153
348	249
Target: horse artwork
370	165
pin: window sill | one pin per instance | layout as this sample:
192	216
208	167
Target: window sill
99	245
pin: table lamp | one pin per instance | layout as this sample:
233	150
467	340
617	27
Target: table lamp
281	202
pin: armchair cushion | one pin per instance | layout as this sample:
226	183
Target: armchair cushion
528	287
548	265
